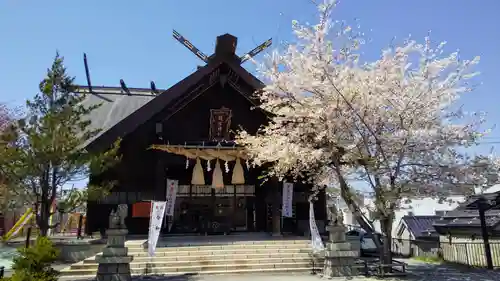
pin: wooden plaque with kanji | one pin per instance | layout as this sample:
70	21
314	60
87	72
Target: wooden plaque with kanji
220	124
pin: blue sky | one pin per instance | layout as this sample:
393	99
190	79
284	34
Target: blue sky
132	40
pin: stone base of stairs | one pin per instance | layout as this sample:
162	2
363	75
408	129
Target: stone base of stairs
208	255
279	271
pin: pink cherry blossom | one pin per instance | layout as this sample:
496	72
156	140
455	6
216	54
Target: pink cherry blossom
394	123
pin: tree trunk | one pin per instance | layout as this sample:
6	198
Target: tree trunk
386	253
43	219
356	211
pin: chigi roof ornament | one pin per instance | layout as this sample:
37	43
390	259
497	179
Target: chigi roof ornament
225	46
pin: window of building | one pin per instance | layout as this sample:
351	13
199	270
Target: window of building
440	213
401	230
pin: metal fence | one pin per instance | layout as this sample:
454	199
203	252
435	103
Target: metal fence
466	253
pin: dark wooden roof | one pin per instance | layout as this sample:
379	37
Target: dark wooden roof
466	215
122	114
468	218
420	225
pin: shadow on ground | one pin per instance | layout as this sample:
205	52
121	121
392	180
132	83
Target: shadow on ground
446	272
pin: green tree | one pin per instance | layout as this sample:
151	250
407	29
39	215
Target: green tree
34	263
9	197
49	148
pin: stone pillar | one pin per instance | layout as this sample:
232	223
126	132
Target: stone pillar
114	263
340	254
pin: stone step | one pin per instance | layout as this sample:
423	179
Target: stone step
294	269
220	246
203	262
209	241
221	249
226	239
214	257
186	256
160	252
256	267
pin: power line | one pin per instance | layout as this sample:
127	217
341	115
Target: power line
488	142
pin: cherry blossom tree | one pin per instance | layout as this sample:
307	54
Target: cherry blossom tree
393	123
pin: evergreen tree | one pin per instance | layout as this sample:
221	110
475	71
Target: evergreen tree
35	263
49	148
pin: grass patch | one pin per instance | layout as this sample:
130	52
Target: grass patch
429	259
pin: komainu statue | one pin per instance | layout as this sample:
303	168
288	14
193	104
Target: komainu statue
114	220
336	216
122	213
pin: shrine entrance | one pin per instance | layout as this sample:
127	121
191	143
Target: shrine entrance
206	210
186	133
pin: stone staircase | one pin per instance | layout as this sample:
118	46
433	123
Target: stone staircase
211	255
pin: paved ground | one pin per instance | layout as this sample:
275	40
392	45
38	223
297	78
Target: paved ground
435	272
418	272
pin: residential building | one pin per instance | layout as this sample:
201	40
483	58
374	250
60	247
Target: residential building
416	236
461	235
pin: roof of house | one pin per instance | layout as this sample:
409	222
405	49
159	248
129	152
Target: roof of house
467	214
121	114
468	218
419	225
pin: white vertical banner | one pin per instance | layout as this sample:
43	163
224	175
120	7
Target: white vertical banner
172	186
316	241
155	221
286	210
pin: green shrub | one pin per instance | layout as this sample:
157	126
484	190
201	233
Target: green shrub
34	263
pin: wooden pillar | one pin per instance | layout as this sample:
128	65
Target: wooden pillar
160	190
276	197
234	207
250	207
482	207
260	208
160	182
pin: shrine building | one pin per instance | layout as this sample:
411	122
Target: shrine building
186	133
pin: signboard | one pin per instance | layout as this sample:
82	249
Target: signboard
220	123
287	200
141	210
172	187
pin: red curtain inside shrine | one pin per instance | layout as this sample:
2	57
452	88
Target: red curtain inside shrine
141	210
